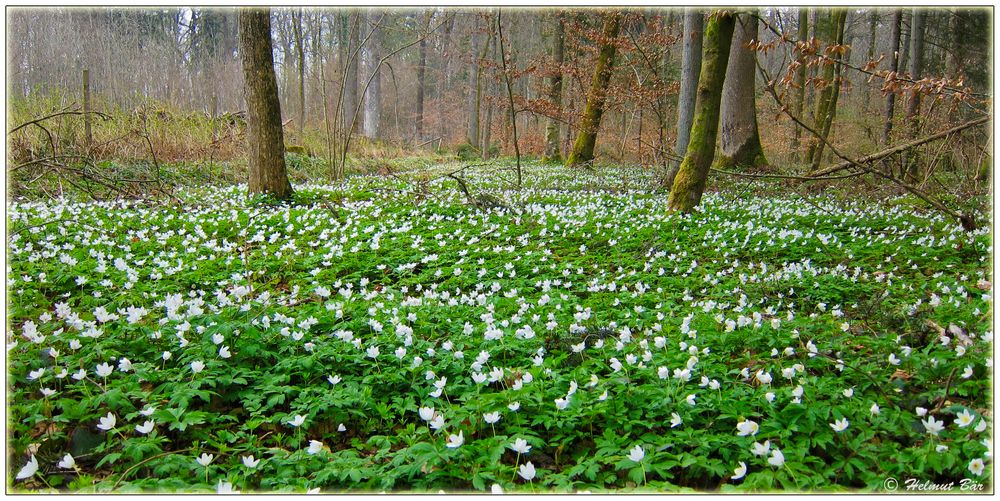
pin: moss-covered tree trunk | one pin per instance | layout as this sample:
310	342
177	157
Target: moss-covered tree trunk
826	105
739	139
552	152
688	186
265	142
586	138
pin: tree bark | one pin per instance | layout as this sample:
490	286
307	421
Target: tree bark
890	98
487	125
826	105
663	100
919	19
739	139
373	95
800	85
510	98
351	87
475	87
301	53
583	148
445	56
286	71
904	58
421	81
686	191
872	40
552	151
813	71
265	142
953	71
694	26
955	53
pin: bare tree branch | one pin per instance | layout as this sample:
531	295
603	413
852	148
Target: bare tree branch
62	112
967	221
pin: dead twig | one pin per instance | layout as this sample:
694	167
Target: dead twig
463	187
947	388
64	111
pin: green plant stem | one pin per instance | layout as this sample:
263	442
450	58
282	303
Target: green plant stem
516	461
144	461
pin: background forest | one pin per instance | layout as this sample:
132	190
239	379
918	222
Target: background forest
169	80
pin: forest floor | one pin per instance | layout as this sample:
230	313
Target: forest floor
385	334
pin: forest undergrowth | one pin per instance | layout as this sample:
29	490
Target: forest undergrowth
390	332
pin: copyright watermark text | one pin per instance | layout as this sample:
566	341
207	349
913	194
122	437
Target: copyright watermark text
917	485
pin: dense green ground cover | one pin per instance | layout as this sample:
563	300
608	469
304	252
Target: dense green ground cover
382	334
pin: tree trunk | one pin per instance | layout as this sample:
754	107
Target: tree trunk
372	53
904	58
686	191
552	151
319	58
739	139
510	98
919	18
953	70
301	52
287	69
475	87
446	56
421	81
890	99
488	121
583	148
342	33
813	71
800	85
694	26
265	143
955	53
664	100
872	40
351	86
826	104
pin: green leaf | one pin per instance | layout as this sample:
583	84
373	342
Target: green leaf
109	459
